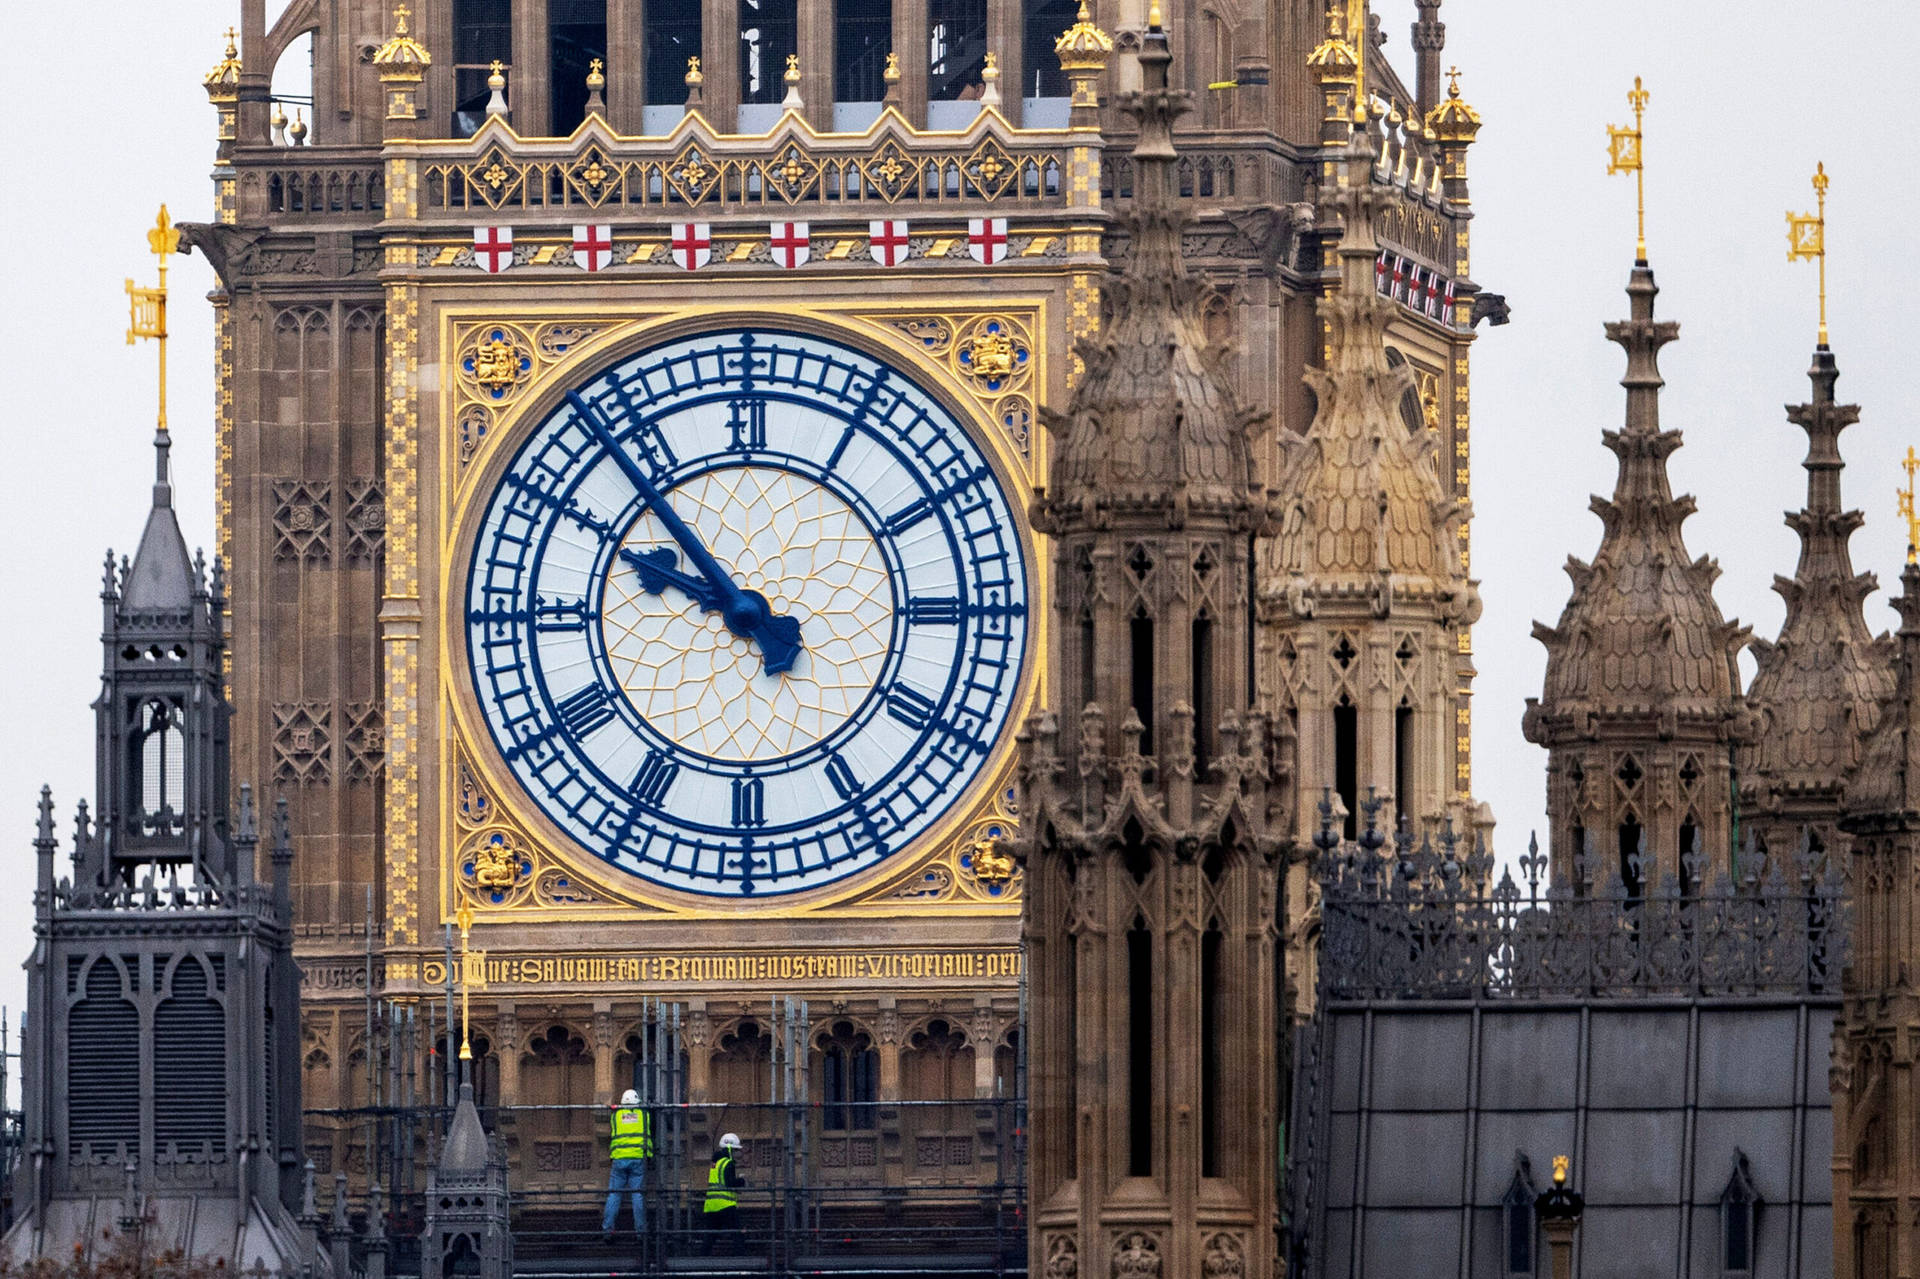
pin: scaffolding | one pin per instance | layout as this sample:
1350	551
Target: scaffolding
834	1185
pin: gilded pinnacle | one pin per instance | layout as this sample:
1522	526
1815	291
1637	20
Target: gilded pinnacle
793	68
595	77
891	72
1083	46
1625	154
1910	464
693	70
223	82
402	57
1807	238
1453	120
1333	58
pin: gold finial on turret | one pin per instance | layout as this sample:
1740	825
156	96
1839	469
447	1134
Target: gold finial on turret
1083	46
223	82
402	57
1334	58
1910	464
693	70
793	68
1625	155
1153	16
1560	1165
596	79
148	307
891	72
1807	238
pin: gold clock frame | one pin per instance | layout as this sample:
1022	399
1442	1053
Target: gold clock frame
953	869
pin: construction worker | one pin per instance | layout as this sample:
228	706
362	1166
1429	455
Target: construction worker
721	1213
630	1147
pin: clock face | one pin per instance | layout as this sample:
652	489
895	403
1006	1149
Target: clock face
747	613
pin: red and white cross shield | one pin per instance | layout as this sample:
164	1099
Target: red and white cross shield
692	245
791	244
987	240
887	242
493	248
592	247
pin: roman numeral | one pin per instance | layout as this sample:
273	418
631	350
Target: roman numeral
749	802
935	611
902	520
841	778
655	778
748	423
586	711
910	707
560	615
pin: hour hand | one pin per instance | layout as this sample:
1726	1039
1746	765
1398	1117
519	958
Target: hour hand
656	570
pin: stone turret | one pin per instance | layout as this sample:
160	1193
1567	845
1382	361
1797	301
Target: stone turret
1641	712
1364	598
1876	1051
1153	863
1817	689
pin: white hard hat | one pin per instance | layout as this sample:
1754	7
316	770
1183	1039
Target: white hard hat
730	1142
629	1098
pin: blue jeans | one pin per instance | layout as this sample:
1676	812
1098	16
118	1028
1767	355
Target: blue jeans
626	1174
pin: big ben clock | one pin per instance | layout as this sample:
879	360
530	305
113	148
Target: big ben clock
747	612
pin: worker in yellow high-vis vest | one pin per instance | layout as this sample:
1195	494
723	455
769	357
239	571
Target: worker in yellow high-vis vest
721	1211
630	1146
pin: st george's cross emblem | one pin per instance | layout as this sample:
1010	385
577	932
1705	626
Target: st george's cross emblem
493	248
791	244
986	240
887	241
692	244
592	247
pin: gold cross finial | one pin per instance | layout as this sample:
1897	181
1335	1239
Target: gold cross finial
1807	238
1359	37
148	307
1624	155
232	36
1453	82
1910	464
400	15
1560	1163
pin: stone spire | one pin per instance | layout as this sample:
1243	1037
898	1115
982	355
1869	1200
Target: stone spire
1152	871
1364	599
1641	709
1818	688
1876	1160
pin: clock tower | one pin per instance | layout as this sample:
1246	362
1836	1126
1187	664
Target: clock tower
628	420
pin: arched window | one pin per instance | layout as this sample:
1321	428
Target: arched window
1518	1228
849	1077
1739	1219
103	1069
672	36
1043	84
189	1066
768	34
482	35
862	39
576	35
956	56
160	766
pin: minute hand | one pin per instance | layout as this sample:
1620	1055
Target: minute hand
746	613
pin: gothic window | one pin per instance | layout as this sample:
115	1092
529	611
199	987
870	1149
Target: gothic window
557	1070
189	1065
1140	1049
1346	760
1403	758
649	1069
159	766
1202	655
672	36
1690	860
1411	415
103	1068
1212	1059
1632	857
1140	642
1519	1232
482	35
1006	1066
1740	1205
862	39
956	50
576	36
849	1077
767	35
1046	20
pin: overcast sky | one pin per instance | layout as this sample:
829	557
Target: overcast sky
109	119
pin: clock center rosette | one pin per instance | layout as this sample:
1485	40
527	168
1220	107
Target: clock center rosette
811	557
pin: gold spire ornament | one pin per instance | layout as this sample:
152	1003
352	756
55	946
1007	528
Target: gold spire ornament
148	307
472	973
1807	238
1625	155
1910	464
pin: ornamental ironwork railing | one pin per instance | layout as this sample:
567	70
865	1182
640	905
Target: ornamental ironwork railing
1407	919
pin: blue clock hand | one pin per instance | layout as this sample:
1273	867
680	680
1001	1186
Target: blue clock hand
746	613
657	572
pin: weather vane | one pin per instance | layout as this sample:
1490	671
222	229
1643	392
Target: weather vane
1807	238
148	307
1910	463
1624	156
